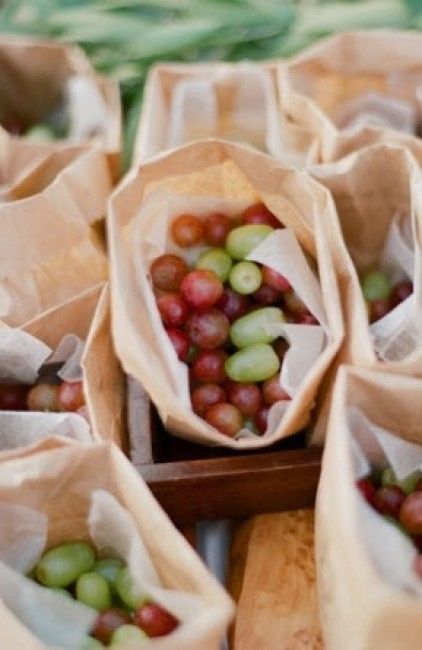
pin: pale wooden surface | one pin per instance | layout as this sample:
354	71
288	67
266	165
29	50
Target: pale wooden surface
272	576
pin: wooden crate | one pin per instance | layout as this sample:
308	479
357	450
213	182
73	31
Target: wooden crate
194	482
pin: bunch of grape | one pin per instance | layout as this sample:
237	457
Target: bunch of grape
381	296
125	612
219	317
400	501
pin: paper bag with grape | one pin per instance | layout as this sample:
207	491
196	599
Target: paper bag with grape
377	192
348	91
46	88
88	560
369	513
59	376
224	297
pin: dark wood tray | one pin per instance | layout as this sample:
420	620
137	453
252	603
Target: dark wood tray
194	482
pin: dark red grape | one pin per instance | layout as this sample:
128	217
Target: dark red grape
205	396
266	295
261	419
167	272
225	417
180	342
217	227
401	291
275	279
232	304
44	397
259	214
272	392
208	329
306	319
417	540
154	620
107	621
245	396
388	500
201	288
417	565
71	396
187	230
367	490
173	309
13	397
209	366
411	513
378	309
294	304
281	346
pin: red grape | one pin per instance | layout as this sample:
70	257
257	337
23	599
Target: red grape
71	396
209	329
44	397
418	486
225	417
306	318
13	124
388	500
246	397
275	279
401	291
13	397
294	304
261	419
417	540
367	490
281	346
266	295
187	230
411	513
217	227
232	304
418	565
107	621
272	392
167	272
180	342
201	288
259	214
378	309
205	396
173	309
154	620
209	366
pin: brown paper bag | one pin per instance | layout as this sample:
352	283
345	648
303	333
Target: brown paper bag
354	89
232	101
40	77
64	483
205	177
362	602
377	190
49	252
87	316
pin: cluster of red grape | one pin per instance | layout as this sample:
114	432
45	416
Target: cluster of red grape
217	315
50	393
381	296
400	501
